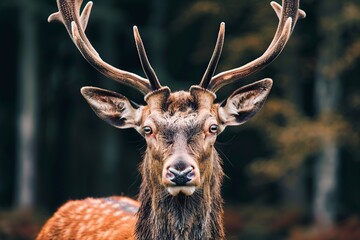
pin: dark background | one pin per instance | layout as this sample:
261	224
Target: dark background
292	172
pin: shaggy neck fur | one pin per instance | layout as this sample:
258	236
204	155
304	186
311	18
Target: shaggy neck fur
198	216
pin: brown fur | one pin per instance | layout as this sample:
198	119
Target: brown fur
195	217
198	216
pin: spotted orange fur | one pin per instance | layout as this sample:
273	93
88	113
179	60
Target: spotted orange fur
102	218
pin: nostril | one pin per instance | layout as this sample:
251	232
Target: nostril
191	174
180	178
169	175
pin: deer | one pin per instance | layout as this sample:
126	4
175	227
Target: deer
180	192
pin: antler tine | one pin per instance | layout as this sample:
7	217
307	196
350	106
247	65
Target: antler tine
149	71
288	15
210	70
75	24
295	13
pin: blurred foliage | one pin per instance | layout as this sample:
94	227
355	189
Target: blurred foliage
19	225
295	137
348	229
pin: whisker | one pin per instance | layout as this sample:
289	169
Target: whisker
223	155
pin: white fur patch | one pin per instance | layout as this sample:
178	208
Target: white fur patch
187	190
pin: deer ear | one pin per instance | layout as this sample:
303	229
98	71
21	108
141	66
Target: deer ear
113	108
244	103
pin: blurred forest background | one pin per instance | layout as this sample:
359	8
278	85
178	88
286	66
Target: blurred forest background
293	172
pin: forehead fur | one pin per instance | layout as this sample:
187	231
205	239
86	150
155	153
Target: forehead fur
182	101
182	111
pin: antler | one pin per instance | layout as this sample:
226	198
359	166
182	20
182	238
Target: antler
210	70
288	15
76	24
149	71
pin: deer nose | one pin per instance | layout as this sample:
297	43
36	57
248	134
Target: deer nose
180	177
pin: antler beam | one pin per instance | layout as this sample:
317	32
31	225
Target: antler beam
288	15
76	24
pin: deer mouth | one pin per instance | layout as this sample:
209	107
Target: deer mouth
176	190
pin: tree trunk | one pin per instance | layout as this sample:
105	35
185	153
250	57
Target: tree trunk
292	184
27	110
327	90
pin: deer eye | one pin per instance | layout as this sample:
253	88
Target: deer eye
147	130
213	128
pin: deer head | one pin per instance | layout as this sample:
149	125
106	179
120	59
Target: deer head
181	127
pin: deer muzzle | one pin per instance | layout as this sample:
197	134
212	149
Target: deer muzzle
181	175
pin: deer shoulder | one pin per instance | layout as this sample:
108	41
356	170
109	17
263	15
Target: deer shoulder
91	218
